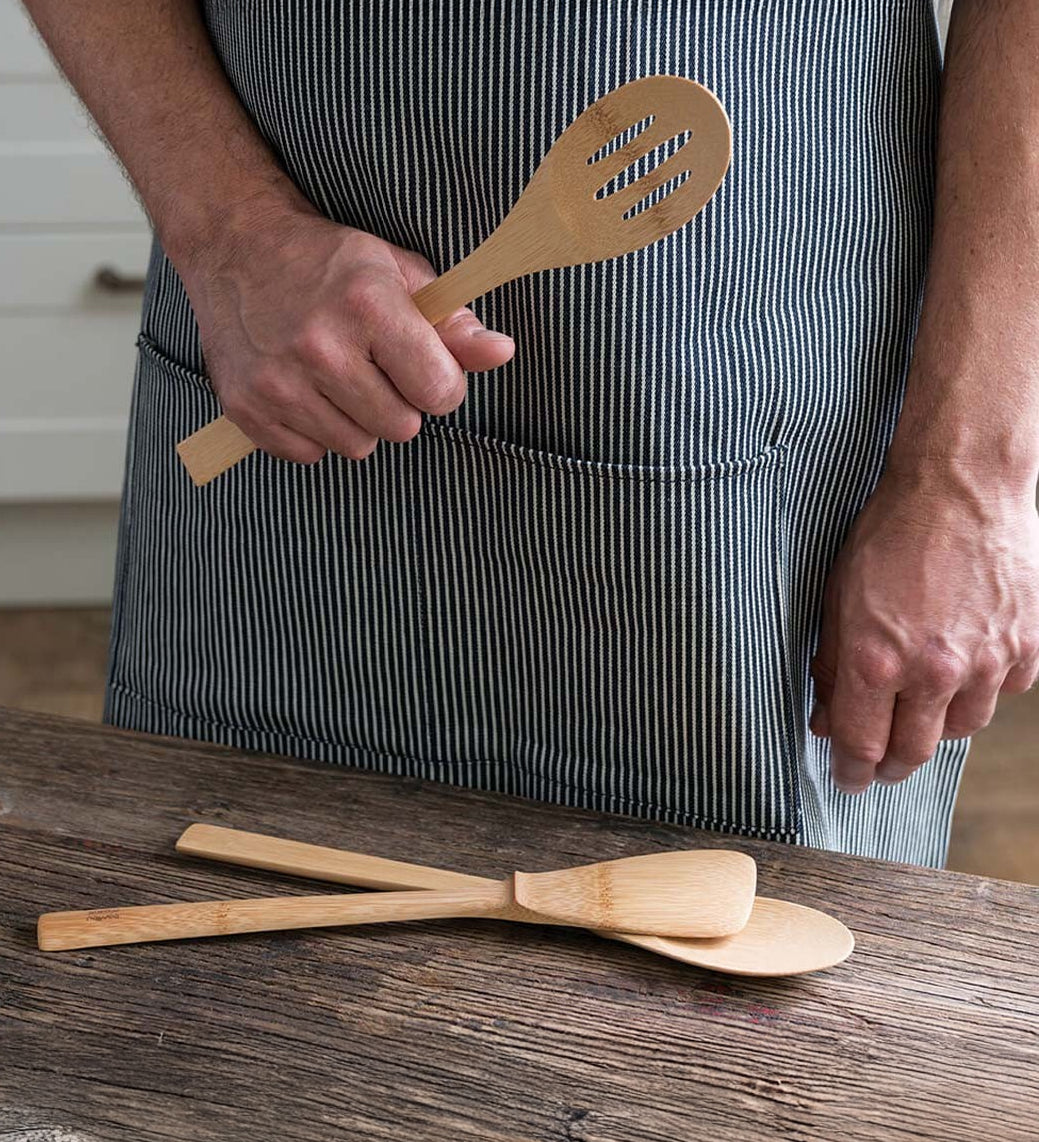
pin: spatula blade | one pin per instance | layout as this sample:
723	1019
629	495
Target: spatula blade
703	893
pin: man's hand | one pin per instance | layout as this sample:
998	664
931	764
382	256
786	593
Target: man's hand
308	328
313	343
932	607
931	610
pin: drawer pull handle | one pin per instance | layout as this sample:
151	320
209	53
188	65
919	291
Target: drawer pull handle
112	281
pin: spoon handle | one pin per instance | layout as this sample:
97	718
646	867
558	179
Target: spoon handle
60	931
255	850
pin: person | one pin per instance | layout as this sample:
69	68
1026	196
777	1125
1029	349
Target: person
784	458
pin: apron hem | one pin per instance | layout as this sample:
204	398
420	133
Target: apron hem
622	805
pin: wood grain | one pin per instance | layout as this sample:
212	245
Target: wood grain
472	1030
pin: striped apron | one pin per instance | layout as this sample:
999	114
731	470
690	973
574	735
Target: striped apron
598	582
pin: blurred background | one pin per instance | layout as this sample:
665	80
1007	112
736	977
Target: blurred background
73	252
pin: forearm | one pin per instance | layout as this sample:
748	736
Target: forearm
971	412
149	76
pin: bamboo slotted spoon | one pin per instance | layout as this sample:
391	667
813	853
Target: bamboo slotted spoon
561	218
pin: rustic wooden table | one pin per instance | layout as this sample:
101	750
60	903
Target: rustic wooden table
469	1030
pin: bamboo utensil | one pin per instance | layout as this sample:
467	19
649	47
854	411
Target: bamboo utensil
779	939
561	219
706	892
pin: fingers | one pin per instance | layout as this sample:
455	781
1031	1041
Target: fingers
860	717
887	714
331	351
474	346
299	424
1021	678
971	709
916	730
366	395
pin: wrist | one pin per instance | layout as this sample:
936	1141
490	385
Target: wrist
942	471
969	426
200	236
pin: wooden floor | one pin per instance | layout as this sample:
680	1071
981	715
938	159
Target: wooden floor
54	661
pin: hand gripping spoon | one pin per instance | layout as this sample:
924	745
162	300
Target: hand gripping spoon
561	219
779	939
706	892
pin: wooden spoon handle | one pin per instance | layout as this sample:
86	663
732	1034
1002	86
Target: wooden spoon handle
58	931
254	850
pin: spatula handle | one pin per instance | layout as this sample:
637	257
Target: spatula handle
58	931
254	850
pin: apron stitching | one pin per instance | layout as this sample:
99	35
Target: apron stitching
628	802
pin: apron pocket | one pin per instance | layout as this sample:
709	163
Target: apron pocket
606	635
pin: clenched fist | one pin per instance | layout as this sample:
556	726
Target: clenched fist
313	343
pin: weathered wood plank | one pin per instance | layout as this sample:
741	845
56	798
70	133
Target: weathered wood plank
471	1030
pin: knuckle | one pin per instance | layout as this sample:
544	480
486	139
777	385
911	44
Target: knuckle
276	389
364	300
404	426
317	348
1018	681
445	396
360	450
913	756
962	725
860	753
877	666
309	453
941	672
989	666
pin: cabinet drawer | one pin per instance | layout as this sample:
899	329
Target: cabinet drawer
67	364
42	184
56	271
35	110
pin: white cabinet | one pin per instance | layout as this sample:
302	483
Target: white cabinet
66	343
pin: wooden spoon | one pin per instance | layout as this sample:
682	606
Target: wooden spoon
558	220
707	892
779	939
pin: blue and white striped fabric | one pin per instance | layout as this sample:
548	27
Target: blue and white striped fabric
599	581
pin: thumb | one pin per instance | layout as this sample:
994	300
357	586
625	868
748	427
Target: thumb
474	346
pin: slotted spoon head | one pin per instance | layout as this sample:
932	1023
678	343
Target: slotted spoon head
597	196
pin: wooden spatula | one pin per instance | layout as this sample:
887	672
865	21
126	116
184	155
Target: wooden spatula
707	892
780	938
561	219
